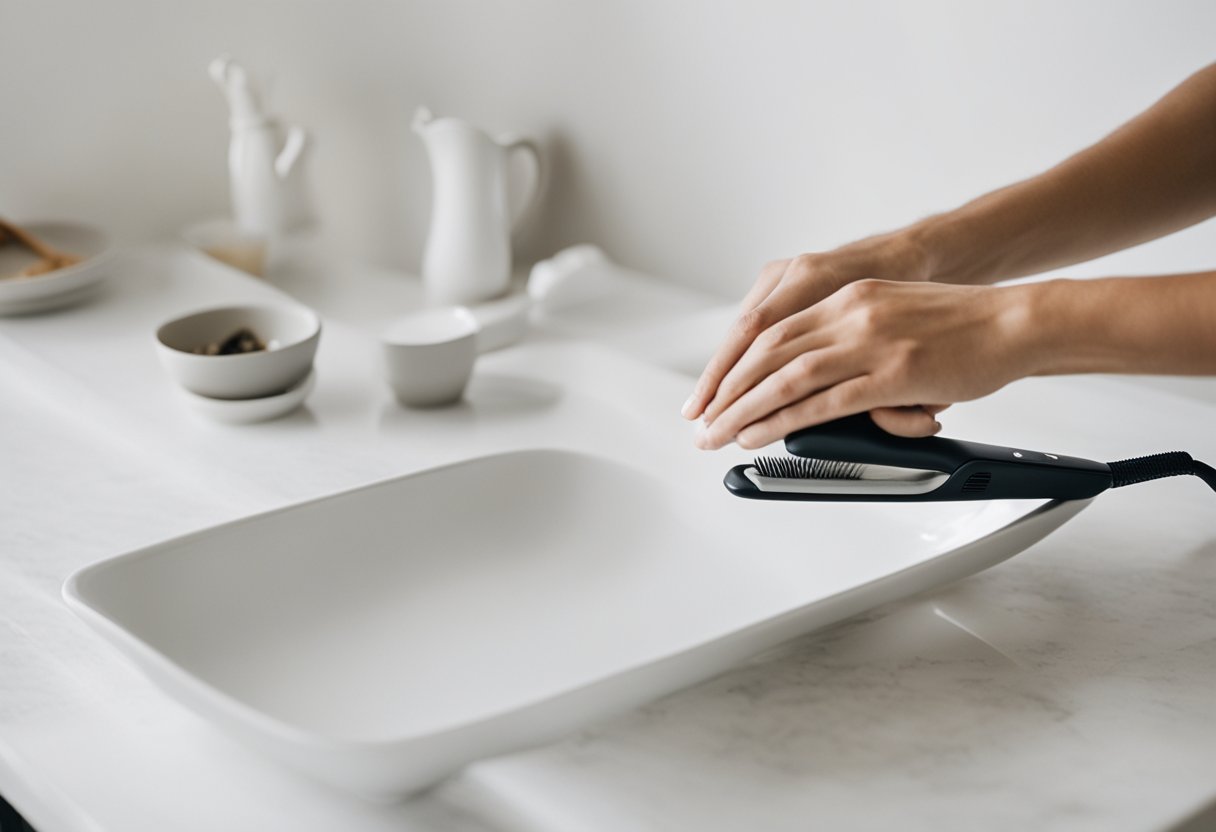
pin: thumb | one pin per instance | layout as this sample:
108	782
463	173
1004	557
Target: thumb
914	421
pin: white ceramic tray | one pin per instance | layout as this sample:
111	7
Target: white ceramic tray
381	638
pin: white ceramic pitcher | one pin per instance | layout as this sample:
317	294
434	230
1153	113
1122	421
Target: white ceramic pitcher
468	249
263	157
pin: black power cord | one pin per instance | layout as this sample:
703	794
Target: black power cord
1157	466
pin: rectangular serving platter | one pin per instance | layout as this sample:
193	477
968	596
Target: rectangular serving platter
381	638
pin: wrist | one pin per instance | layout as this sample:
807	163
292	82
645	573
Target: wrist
948	248
923	242
978	243
894	256
913	253
1027	328
1056	328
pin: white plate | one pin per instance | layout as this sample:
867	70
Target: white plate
26	295
49	303
249	411
381	638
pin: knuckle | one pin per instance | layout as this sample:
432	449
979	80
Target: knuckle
808	413
865	317
785	386
804	263
831	401
847	396
774	336
865	290
785	421
775	266
750	324
848	295
872	316
807	364
727	392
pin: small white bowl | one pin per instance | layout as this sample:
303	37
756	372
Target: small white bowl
429	356
291	334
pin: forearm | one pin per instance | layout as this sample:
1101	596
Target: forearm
1153	176
1143	325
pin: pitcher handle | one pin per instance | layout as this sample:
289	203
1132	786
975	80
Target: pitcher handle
293	147
511	144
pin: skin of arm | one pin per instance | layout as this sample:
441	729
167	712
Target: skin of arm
819	336
880	344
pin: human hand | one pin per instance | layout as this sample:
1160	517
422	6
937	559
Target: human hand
882	346
786	287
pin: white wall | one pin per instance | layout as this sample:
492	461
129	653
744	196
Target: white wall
691	139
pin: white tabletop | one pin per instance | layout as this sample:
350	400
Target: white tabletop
1071	688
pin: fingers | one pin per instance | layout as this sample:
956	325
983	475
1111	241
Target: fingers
806	374
913	422
738	339
758	314
848	397
777	346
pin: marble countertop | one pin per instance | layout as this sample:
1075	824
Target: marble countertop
1070	688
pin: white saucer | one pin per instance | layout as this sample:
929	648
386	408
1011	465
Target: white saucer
248	411
27	295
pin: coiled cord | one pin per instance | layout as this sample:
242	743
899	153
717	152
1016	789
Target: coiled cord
1154	467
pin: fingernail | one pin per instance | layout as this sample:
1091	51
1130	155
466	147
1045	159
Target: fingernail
937	426
686	408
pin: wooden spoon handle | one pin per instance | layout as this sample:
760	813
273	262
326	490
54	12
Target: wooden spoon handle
23	237
49	258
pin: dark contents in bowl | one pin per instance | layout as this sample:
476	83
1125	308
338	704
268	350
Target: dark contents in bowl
243	340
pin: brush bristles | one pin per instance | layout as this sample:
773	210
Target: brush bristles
805	468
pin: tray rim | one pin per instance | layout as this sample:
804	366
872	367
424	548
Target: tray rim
213	703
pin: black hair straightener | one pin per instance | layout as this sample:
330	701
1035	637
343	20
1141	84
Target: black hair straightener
852	459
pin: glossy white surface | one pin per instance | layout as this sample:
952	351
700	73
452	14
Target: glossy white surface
379	639
1067	689
62	287
290	331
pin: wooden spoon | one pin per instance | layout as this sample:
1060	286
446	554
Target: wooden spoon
49	259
